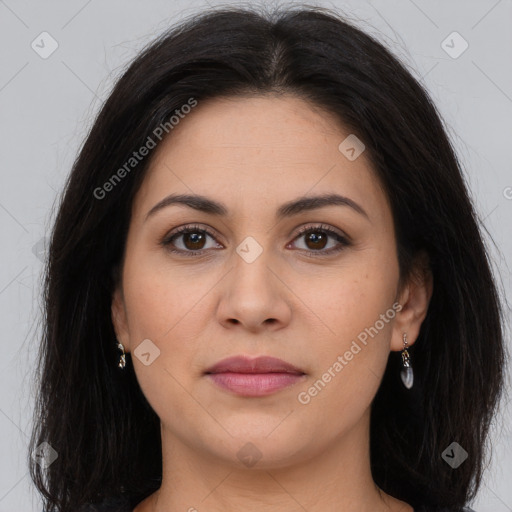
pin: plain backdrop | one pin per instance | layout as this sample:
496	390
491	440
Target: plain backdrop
47	106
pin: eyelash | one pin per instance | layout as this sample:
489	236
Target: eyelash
344	242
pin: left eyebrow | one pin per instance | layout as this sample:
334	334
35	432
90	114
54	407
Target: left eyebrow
307	203
289	209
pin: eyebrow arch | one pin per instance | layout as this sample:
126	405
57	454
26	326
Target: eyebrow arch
294	207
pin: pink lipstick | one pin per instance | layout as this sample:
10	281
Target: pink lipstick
259	376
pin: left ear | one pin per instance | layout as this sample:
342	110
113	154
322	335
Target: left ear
414	299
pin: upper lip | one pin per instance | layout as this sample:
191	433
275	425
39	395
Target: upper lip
262	364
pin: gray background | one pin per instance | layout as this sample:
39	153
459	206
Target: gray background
47	106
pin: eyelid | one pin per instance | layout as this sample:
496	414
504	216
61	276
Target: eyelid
322	227
343	239
186	229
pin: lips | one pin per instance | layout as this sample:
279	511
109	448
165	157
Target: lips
254	378
262	364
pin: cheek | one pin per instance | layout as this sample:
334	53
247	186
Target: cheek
351	299
160	307
349	364
159	296
356	309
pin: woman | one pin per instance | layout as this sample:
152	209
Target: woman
267	288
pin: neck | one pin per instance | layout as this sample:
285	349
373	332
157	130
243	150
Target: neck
195	481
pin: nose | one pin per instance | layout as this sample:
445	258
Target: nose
254	296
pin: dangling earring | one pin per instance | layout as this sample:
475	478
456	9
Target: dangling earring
122	359
406	372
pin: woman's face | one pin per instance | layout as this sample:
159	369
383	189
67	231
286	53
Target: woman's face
249	287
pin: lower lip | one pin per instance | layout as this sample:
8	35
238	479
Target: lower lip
255	384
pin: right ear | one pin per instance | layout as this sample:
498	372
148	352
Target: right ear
118	313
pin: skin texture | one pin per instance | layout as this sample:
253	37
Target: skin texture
253	154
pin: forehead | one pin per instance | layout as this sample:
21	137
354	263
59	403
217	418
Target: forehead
258	150
258	123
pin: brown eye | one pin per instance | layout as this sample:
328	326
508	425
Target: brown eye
316	239
193	240
188	240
